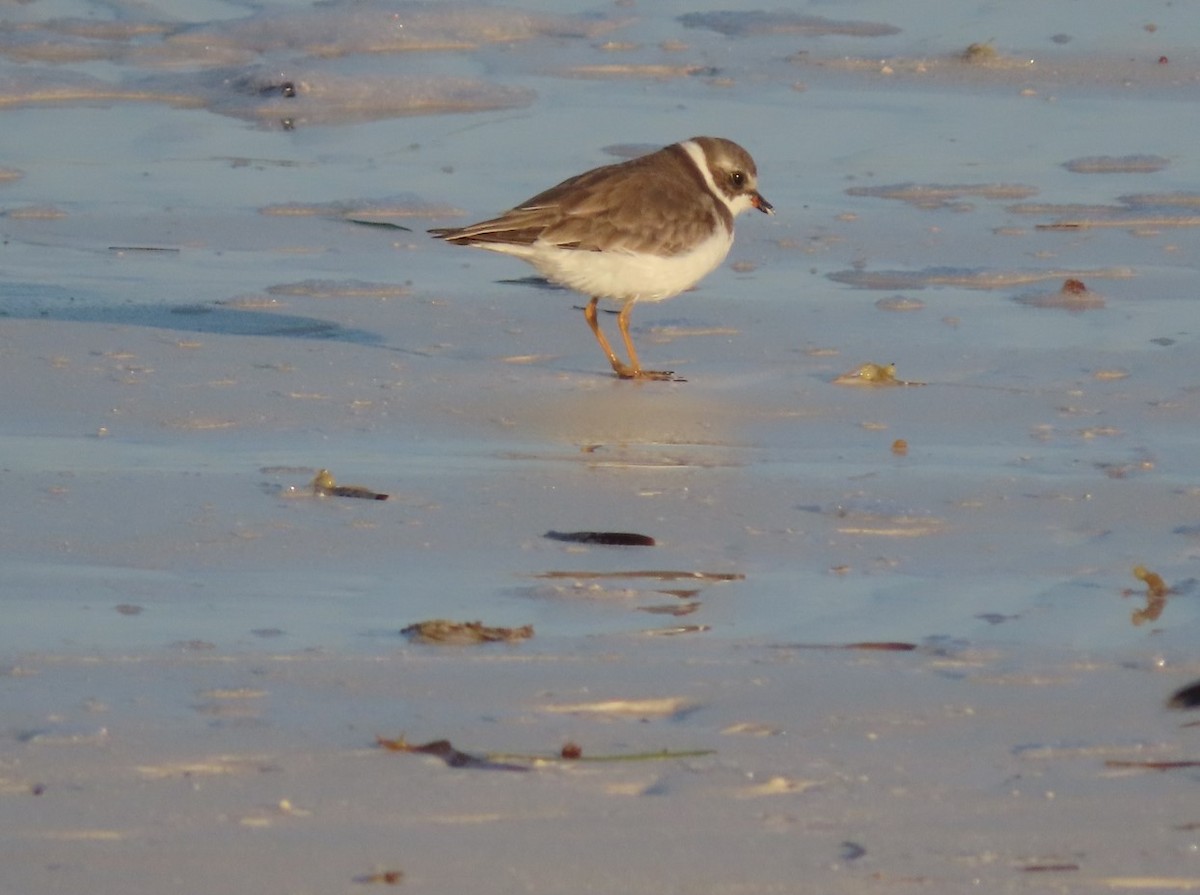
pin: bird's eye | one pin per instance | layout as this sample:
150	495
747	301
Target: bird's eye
738	179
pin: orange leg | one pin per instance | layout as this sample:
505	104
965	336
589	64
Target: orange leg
589	314
638	372
633	370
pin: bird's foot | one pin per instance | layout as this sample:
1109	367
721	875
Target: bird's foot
638	373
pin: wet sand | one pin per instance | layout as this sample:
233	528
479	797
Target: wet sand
944	402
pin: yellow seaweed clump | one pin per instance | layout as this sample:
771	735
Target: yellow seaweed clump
873	375
1156	596
443	631
325	485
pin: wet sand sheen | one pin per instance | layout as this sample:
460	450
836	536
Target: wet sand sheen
315	531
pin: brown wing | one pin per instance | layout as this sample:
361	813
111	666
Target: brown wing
656	203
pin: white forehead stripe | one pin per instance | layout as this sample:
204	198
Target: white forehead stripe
692	148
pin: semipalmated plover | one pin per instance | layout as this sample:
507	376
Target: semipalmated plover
641	230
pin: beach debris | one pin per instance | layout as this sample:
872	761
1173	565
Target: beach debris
884	646
446	752
996	618
604	538
443	631
1187	697
121	250
571	751
980	53
851	851
1178	764
1073	296
873	375
324	485
381	877
385	225
1156	596
869	374
1155	586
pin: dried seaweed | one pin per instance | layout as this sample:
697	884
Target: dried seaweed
1155	586
1073	296
1156	595
324	485
387	225
1152	765
447	753
443	631
570	752
1185	697
604	538
873	375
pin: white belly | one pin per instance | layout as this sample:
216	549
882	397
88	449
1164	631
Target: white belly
623	276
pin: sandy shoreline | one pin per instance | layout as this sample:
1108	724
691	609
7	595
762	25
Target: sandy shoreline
839	770
199	653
